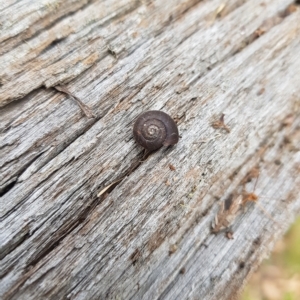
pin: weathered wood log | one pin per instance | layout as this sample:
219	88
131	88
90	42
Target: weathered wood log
83	216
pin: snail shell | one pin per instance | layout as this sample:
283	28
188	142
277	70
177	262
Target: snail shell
154	129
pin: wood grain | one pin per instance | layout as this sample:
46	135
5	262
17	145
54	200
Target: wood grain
149	235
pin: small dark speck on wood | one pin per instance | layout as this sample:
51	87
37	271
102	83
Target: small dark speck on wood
229	235
172	168
220	124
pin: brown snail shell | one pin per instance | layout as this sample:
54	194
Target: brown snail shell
154	129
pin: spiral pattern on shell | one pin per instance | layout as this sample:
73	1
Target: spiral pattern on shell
154	129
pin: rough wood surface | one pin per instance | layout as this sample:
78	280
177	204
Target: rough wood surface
149	236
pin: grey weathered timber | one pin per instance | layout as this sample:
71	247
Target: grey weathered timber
82	214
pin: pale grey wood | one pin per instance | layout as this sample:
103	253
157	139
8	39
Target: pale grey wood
57	238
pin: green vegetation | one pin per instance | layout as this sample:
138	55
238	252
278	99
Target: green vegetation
278	278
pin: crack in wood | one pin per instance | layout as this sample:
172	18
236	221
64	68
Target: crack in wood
267	25
137	4
82	217
6	187
18	39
